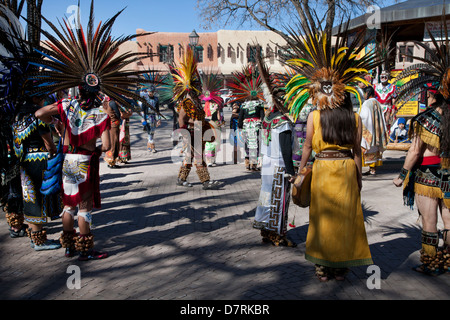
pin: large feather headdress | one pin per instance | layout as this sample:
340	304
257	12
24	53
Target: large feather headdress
324	74
212	82
433	70
246	84
165	90
186	78
153	80
90	61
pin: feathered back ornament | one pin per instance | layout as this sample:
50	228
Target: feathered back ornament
165	90
153	80
89	61
186	77
385	48
211	84
275	84
325	74
246	84
434	69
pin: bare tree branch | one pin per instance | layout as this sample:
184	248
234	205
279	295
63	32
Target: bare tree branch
273	14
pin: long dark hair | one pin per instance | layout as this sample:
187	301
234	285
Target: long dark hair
369	91
339	124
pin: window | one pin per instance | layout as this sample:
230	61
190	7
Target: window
180	51
199	53
251	53
403	51
210	52
165	53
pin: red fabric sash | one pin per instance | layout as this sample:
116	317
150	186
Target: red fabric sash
427	161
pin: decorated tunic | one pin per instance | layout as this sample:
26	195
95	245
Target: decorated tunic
250	117
384	95
30	149
273	204
81	166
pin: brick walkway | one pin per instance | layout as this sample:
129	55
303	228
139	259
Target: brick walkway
171	243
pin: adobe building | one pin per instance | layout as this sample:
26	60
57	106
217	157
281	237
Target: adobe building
166	47
222	52
237	48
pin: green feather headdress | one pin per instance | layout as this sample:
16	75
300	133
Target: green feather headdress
324	74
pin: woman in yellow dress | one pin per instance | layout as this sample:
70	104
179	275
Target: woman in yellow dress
325	75
336	236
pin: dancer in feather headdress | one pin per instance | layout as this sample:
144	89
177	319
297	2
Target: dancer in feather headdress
212	83
271	214
336	236
150	115
187	89
425	175
90	62
246	88
33	142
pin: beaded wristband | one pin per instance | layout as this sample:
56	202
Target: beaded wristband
403	174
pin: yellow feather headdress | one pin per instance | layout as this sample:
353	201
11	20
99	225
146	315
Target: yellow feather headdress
324	73
186	77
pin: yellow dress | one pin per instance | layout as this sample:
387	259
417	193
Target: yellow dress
336	234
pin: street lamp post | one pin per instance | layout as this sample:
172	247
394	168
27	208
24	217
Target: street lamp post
193	42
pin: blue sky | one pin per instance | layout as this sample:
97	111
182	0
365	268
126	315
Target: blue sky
150	15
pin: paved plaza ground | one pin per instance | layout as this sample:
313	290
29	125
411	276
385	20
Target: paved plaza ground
172	243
